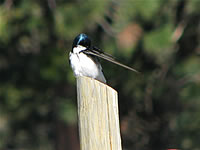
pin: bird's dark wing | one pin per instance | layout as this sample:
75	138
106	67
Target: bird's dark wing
97	52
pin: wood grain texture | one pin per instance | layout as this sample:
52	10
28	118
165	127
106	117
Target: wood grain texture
97	115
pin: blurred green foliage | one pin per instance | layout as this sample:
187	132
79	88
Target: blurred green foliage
158	109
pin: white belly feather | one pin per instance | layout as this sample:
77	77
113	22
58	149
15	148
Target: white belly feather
82	65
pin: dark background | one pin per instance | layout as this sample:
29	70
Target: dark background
158	109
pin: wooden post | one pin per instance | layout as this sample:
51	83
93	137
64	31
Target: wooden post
97	115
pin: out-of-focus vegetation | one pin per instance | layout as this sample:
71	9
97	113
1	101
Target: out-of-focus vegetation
159	109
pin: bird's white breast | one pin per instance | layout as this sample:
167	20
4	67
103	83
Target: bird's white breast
82	65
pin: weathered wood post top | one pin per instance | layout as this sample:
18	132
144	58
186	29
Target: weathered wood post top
98	115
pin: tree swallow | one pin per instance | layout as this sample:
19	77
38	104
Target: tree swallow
84	60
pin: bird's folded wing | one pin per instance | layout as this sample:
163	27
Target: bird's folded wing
100	54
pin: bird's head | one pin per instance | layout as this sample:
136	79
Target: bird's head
82	40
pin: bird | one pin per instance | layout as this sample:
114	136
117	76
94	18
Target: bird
84	59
